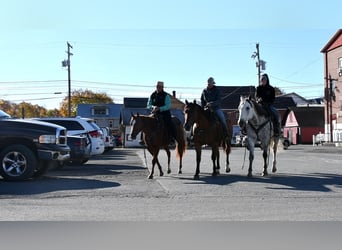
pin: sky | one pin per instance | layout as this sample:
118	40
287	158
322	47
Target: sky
122	48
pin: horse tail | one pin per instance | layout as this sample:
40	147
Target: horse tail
181	142
279	145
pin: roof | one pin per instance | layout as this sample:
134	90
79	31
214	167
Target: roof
330	45
309	116
297	99
135	102
126	113
231	95
283	102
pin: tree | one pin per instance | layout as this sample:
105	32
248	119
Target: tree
278	91
83	96
23	109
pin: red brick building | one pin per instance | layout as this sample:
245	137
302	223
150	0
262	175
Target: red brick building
332	52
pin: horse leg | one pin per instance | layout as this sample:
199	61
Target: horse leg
161	173
218	160
180	165
154	162
275	148
214	157
265	156
168	159
251	158
198	161
152	169
227	160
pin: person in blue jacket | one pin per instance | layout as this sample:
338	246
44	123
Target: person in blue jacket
160	104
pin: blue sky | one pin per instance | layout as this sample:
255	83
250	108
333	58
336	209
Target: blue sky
123	47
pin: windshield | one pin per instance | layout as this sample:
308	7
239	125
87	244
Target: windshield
4	115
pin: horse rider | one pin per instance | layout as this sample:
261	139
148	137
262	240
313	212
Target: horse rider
160	103
211	98
265	94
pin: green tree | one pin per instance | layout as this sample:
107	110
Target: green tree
83	96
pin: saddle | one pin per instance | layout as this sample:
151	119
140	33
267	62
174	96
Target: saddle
161	124
265	110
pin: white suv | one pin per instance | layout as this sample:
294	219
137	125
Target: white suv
81	126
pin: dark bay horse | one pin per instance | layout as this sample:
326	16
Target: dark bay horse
258	126
207	131
156	136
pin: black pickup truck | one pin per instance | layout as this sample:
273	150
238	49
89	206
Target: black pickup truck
28	147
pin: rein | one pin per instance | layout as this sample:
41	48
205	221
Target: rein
257	129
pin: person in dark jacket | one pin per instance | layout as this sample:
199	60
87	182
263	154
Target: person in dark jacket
160	104
265	94
211	98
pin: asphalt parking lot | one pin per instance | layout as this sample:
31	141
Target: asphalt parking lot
114	187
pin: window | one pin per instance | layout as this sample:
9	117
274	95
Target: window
99	111
339	69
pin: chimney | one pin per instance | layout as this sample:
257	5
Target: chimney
174	93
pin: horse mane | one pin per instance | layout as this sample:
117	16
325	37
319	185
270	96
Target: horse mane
258	108
206	112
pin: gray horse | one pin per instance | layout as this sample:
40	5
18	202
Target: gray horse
258	125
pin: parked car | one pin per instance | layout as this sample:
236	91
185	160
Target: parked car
28	148
81	126
117	140
79	149
108	139
286	142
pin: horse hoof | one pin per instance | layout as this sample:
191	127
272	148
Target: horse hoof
169	171
180	172
264	173
250	175
196	177
215	174
161	174
274	170
227	170
150	176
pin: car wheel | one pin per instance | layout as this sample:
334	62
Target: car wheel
286	144
18	163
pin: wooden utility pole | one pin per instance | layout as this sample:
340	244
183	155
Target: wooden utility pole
260	64
258	61
69	78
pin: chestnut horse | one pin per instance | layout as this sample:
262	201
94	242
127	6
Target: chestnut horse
156	136
207	130
258	125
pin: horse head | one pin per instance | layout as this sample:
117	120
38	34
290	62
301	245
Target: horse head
246	111
191	112
136	125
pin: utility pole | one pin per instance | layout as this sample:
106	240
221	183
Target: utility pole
260	64
331	97
66	63
258	61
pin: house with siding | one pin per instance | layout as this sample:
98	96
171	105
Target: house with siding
304	122
332	53
104	115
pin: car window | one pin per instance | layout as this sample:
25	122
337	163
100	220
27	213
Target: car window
4	114
93	125
69	125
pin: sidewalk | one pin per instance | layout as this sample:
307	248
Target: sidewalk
325	148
